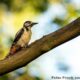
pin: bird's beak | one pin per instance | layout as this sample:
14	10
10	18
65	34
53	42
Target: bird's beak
33	24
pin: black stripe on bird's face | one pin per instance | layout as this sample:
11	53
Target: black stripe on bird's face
26	28
29	24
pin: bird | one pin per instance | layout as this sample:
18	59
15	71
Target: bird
22	37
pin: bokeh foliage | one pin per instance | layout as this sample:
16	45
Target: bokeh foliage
15	5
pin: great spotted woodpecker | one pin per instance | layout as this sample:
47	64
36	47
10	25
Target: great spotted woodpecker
22	37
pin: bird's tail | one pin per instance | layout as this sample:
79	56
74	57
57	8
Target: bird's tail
13	50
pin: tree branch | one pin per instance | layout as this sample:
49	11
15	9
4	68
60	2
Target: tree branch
40	46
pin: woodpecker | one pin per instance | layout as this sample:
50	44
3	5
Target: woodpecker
22	37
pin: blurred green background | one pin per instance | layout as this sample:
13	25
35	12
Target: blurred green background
51	15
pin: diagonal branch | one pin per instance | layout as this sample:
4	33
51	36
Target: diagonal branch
40	46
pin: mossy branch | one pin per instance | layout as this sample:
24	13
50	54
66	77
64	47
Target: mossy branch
40	46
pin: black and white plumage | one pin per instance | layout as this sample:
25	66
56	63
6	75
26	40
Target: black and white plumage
22	37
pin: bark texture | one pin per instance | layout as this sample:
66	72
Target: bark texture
40	46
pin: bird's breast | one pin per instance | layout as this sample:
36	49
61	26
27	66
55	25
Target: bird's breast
25	38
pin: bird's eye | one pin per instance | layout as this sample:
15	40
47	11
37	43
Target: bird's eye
27	24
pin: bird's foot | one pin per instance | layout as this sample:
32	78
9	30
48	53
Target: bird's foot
25	46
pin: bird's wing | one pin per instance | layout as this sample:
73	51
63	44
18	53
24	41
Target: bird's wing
18	35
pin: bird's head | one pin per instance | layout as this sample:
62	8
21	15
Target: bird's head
29	24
